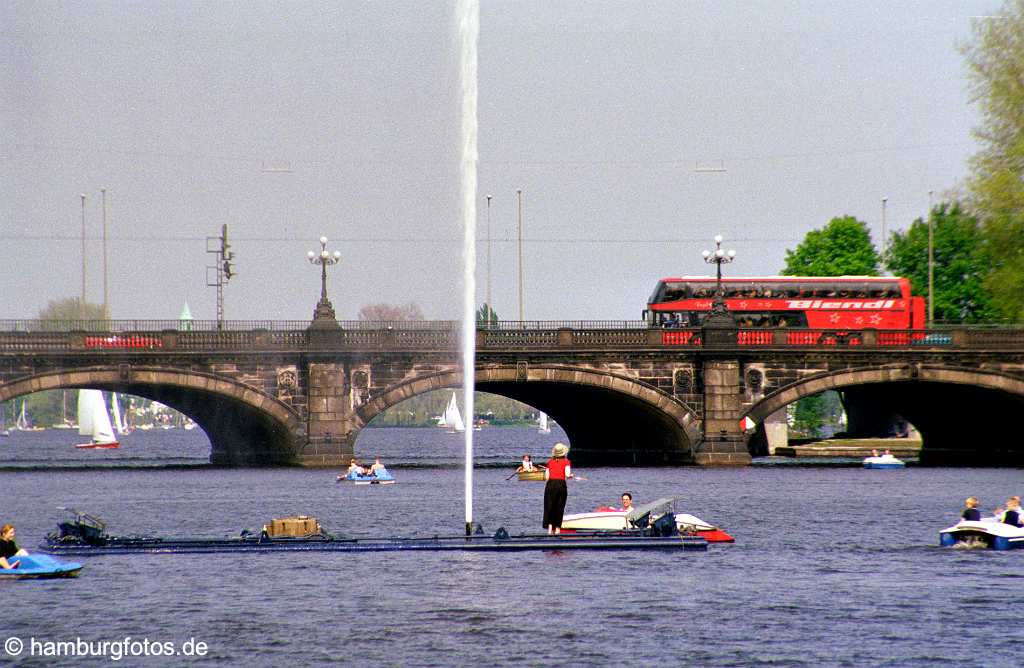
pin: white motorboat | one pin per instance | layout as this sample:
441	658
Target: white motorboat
987	533
612	519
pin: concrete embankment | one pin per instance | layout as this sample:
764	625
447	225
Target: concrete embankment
852	447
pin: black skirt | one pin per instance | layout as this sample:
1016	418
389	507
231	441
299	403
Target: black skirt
555	494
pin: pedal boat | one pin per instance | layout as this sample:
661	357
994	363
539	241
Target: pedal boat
610	519
650	528
883	462
39	567
990	534
386	479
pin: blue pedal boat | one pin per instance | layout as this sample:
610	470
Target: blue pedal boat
39	567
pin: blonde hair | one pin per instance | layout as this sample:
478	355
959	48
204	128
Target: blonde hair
5	528
971	501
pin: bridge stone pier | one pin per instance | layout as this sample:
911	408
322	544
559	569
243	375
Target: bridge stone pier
274	393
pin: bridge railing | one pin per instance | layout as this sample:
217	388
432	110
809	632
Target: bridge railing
163	335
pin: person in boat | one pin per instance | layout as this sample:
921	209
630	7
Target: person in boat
559	469
9	548
355	468
971	512
888	455
874	453
377	469
528	466
1012	514
627	501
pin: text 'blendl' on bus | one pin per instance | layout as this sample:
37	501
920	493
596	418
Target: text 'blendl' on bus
843	302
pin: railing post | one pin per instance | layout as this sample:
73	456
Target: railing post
869	338
564	336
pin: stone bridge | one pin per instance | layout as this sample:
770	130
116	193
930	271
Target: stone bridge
287	393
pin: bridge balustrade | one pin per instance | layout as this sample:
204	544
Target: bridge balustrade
128	336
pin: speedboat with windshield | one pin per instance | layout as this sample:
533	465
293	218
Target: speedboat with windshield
615	519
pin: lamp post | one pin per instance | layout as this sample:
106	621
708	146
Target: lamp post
519	195
324	313
81	306
884	200
719	329
718	257
931	262
490	305
106	304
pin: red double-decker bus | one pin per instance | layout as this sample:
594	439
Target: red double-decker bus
841	302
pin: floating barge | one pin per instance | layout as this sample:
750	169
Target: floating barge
86	535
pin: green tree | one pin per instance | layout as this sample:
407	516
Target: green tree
73	308
961	264
995	60
841	248
486	317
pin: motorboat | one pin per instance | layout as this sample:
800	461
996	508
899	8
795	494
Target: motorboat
384	478
886	461
86	535
987	533
608	519
39	567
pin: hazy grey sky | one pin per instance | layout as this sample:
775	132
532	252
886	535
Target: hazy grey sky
605	114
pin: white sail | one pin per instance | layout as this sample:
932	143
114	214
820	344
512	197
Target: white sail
92	417
115	415
452	418
542	424
22	421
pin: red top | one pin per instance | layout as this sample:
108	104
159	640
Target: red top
556	468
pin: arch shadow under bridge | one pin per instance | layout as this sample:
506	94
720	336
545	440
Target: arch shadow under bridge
610	419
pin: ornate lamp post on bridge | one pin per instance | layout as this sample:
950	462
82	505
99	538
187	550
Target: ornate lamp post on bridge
324	316
719	327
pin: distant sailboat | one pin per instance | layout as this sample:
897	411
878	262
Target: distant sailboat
23	423
4	431
120	424
542	423
93	421
452	418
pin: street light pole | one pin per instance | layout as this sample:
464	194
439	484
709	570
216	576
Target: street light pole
103	193
490	306
884	200
81	313
324	310
519	194
718	257
931	261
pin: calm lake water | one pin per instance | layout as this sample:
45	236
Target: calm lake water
832	566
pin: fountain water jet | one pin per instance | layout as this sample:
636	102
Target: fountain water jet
468	17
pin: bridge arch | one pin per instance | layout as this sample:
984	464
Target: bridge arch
244	425
960	412
609	418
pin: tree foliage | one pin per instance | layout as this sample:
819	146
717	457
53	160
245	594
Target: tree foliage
73	308
390	312
995	60
961	264
841	248
486	317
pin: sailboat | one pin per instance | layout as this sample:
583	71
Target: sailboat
452	418
542	423
119	423
4	431
93	421
23	423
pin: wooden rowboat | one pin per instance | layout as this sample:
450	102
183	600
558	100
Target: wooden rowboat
531	475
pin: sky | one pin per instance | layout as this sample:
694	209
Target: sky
635	131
